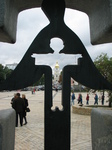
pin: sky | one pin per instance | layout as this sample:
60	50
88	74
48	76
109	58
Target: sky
31	22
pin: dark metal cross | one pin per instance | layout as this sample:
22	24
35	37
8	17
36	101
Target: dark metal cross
57	123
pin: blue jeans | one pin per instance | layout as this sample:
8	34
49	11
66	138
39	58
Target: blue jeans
87	102
72	101
96	102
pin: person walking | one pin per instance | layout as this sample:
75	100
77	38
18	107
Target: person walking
103	97
87	99
34	90
26	105
80	99
18	105
73	98
96	99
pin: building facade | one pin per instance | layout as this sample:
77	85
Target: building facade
56	73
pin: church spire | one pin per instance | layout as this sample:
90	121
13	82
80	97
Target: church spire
57	65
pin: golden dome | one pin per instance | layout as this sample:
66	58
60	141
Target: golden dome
57	65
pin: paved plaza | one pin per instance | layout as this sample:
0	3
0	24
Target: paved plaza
31	136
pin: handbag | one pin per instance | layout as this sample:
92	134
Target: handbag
27	109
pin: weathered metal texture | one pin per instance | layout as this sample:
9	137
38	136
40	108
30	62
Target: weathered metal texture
101	129
57	123
99	12
7	129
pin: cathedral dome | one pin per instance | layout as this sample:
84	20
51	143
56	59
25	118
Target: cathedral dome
57	65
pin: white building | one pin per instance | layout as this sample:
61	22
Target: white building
56	73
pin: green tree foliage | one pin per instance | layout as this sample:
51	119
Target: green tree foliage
4	73
104	65
7	72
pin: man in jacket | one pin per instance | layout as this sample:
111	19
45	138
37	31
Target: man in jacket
19	105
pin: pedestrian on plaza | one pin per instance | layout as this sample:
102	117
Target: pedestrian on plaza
96	99
110	99
73	98
12	100
26	105
80	99
87	99
34	90
103	97
18	105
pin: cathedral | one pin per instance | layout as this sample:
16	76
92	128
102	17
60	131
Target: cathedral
56	73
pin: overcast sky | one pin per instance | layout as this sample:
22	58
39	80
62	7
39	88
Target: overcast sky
30	23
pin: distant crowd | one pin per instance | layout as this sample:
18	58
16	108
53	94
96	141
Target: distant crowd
80	99
20	105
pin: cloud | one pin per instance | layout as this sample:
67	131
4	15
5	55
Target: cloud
79	23
95	51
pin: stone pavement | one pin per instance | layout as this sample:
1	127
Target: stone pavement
31	136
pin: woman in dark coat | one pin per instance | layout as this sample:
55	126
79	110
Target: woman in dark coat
26	105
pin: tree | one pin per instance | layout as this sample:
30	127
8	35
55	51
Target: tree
7	72
4	73
104	65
